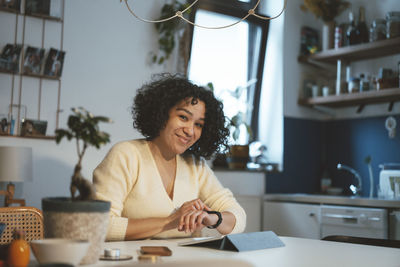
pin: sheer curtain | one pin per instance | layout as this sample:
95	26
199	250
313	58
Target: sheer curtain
270	131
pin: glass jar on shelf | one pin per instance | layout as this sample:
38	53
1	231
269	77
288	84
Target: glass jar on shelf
393	24
354	85
377	31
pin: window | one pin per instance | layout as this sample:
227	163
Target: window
230	57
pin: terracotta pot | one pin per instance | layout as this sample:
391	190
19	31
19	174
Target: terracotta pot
238	156
84	220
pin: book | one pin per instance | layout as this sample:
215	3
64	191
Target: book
54	63
9	58
309	42
11	4
37	7
33	60
238	242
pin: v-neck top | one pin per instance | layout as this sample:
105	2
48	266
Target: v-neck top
128	177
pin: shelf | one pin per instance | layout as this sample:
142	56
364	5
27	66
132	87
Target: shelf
46	137
9	10
32	75
34	15
16	85
369	97
356	52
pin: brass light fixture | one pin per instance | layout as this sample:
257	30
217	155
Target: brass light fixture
180	13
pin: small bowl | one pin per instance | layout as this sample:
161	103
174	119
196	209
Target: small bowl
59	250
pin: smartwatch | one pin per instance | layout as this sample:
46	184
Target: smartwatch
219	219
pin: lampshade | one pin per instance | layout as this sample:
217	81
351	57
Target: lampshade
15	164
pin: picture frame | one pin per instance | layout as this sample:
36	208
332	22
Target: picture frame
4	124
54	63
11	4
9	58
37	7
33	60
33	127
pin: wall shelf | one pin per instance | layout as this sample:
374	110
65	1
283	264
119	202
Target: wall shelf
355	52
346	55
39	16
16	84
32	75
46	137
362	98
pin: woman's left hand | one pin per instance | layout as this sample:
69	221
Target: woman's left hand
197	220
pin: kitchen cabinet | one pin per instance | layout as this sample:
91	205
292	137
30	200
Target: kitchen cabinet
292	219
337	215
248	188
349	54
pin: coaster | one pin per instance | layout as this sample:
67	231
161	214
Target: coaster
112	258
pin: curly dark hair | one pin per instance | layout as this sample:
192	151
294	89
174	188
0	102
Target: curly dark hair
153	101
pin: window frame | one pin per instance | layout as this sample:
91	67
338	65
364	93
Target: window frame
239	9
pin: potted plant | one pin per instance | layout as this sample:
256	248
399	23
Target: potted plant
80	216
238	155
240	130
167	30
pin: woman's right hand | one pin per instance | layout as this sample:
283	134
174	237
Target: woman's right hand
189	207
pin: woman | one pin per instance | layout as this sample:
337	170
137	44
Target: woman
161	186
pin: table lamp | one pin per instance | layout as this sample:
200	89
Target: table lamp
15	166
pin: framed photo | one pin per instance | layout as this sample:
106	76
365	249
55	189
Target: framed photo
4	127
9	58
41	7
56	8
54	63
11	4
33	127
33	60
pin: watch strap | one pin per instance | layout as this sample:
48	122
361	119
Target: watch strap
219	218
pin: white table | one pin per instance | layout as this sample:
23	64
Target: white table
297	252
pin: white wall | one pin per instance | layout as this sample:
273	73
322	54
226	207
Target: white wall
294	71
106	61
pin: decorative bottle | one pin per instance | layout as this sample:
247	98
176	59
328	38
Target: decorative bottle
18	251
351	32
362	30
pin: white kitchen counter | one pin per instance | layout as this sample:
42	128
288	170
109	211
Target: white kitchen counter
334	200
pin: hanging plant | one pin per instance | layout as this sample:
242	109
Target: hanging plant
168	30
327	10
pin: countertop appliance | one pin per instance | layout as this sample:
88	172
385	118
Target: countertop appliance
354	221
389	181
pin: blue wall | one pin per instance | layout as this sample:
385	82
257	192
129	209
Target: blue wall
312	145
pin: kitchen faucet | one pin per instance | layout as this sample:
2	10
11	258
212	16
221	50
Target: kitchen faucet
356	190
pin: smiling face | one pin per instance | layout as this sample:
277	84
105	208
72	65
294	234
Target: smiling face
184	126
